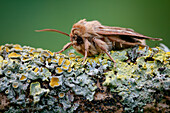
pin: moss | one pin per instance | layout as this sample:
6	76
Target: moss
47	82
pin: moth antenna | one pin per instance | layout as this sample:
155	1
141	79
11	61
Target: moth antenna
53	30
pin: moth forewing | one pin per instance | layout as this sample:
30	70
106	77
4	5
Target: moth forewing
106	30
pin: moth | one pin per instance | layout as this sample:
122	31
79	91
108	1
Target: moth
90	38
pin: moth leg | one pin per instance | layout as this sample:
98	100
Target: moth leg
87	44
103	47
68	45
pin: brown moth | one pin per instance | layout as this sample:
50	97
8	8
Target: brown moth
91	38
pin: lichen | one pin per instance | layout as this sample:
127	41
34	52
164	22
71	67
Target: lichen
55	81
36	91
136	82
37	80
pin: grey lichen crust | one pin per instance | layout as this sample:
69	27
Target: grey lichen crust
37	80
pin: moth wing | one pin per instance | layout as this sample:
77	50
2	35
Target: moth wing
107	30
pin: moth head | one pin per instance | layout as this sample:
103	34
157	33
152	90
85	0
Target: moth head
76	39
78	32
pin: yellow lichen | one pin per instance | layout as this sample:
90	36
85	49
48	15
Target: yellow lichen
8	72
107	81
65	67
16	45
109	78
141	47
72	54
79	59
41	59
7	49
132	76
121	76
36	70
31	55
144	67
31	50
45	54
49	60
36	54
7	91
18	48
59	70
61	94
72	58
54	82
56	57
41	69
15	85
60	61
28	81
72	64
168	53
69	70
93	59
1	59
67	62
21	68
14	55
55	61
23	77
5	61
51	53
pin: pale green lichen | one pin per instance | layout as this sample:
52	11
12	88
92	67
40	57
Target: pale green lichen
49	82
36	91
137	82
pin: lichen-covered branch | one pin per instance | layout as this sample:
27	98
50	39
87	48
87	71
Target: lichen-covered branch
37	80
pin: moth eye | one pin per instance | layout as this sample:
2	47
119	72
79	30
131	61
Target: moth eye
75	36
79	40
